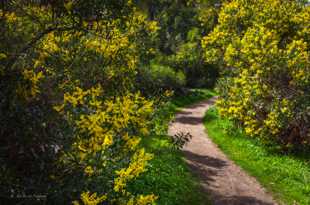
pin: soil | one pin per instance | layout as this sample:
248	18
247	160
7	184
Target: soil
221	179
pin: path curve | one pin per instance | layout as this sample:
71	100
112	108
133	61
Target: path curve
223	181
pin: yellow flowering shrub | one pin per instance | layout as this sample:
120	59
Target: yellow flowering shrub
72	113
90	199
262	48
106	130
142	200
136	167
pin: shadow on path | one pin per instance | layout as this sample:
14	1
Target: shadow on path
222	181
188	120
205	168
238	200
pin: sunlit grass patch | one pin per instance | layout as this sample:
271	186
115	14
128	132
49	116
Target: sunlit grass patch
286	176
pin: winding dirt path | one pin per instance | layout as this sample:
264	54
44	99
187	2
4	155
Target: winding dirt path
223	181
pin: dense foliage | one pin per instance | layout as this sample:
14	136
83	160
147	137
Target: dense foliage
71	115
182	25
262	48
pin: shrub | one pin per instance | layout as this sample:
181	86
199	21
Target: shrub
263	47
160	76
70	125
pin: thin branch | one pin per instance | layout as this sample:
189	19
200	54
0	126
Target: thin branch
38	37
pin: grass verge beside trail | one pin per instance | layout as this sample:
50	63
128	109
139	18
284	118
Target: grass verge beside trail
168	175
193	96
286	176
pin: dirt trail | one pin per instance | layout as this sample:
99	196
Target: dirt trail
224	182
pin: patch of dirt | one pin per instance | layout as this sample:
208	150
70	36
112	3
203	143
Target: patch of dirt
223	181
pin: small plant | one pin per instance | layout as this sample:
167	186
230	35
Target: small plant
180	139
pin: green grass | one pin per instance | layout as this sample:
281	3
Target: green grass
193	96
286	176
168	175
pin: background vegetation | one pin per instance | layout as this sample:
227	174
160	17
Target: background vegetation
85	91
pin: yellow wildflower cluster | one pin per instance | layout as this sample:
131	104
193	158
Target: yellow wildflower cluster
264	45
135	168
104	126
9	17
131	142
90	199
50	43
108	47
299	61
142	200
31	87
152	26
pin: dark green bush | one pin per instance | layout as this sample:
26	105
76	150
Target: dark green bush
160	77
